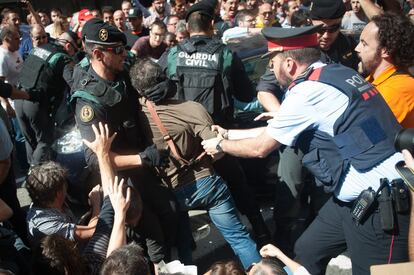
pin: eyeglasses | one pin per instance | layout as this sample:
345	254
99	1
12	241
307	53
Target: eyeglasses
38	38
116	50
329	29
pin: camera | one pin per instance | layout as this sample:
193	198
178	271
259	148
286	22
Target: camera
405	140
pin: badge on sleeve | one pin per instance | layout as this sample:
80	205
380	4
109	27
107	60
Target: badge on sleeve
86	113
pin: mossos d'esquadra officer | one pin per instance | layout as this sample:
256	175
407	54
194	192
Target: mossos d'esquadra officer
346	132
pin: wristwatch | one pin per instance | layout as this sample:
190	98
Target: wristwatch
218	147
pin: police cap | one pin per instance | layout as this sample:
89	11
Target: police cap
134	13
98	32
205	7
327	9
285	39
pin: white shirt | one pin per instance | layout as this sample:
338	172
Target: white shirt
235	32
11	64
352	22
315	105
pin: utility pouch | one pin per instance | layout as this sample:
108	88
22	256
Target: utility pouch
363	206
401	196
386	206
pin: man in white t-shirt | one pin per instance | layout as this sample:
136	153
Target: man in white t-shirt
10	60
246	23
355	19
346	131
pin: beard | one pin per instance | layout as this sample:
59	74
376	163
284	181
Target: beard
283	79
160	10
370	65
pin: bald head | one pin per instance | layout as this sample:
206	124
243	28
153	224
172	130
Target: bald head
38	35
119	20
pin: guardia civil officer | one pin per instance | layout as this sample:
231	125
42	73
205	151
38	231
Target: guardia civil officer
41	75
346	132
292	209
206	71
103	93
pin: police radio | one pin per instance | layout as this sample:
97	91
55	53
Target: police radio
363	205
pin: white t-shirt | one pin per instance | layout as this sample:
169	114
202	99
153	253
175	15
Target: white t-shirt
315	105
235	32
11	64
351	22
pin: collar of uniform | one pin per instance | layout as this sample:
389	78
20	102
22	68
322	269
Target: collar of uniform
199	37
107	82
383	76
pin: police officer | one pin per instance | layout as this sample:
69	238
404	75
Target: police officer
346	132
206	71
103	93
292	209
42	74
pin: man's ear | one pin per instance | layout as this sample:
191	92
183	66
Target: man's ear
290	65
385	53
97	54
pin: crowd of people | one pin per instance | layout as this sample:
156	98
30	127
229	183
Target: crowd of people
152	92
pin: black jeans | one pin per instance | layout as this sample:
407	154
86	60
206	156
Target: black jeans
38	130
333	231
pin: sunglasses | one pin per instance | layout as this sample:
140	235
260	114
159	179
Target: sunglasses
329	29
116	50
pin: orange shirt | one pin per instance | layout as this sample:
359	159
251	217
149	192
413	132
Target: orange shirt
398	91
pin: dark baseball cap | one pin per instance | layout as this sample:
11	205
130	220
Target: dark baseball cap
327	9
205	7
134	13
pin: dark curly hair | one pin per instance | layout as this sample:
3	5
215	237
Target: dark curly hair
226	268
56	255
44	182
396	35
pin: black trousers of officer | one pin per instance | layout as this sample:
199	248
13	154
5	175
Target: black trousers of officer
333	231
163	209
37	127
229	168
293	211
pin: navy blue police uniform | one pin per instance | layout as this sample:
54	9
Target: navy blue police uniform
343	162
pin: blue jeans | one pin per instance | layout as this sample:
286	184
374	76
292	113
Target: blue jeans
212	194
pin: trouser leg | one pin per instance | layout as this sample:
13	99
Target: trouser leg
291	212
322	240
369	245
231	171
20	138
161	201
43	127
212	193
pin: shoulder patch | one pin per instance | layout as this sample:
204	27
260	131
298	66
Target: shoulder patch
86	113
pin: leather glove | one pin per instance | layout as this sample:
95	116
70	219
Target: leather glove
34	95
155	158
